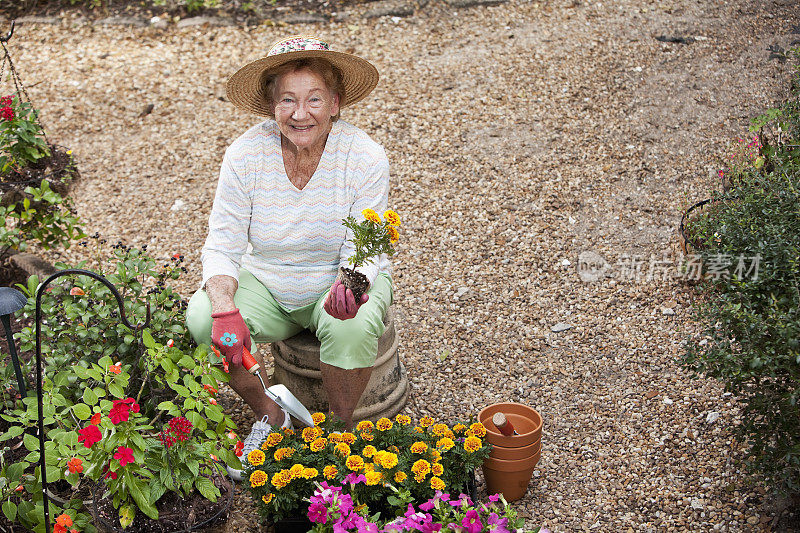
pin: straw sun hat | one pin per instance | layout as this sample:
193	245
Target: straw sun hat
246	89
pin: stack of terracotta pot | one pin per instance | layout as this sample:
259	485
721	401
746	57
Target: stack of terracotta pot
509	467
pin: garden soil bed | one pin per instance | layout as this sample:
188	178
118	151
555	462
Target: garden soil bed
520	136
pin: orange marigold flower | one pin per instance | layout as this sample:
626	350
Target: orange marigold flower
309	434
273	439
335	437
436	455
419	447
421	467
386	459
384	424
419	429
371	215
458	428
318	418
267	498
342	449
318	444
354	463
348	437
364	425
309	473
472	444
391	217
425	421
367	436
256	457
283	453
330	471
400	476
403	420
394	235
296	470
478	429
279	479
437	483
369	467
437	469
75	465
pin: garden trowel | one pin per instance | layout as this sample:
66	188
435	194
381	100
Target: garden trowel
278	393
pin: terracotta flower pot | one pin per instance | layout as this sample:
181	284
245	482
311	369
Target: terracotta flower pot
509	477
525	420
515	454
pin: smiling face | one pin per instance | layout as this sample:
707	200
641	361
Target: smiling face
304	107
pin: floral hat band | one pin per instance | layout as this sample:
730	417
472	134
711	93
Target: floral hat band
296	44
246	89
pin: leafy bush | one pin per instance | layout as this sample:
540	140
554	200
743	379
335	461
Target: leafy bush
22	141
751	316
135	411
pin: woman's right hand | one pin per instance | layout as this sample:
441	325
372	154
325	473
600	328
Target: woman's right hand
229	333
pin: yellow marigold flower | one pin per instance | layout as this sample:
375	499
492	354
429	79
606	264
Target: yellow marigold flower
440	430
419	429
278	480
268	498
318	418
421	467
400	476
437	456
371	215
367	436
387	460
318	444
403	420
458	428
369	467
272	440
445	443
419	478
364	425
384	424
354	463
348	437
472	444
394	235
309	434
296	470
288	431
478	429
258	478
437	469
391	217
437	483
283	453
450	434
419	447
369	450
342	449
335	437
426	421
256	457
330	471
373	478
309	473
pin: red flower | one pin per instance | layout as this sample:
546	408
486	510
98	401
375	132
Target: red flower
180	427
116	368
211	390
166	439
76	291
238	448
96	418
7	113
212	401
124	456
112	475
120	412
89	435
58	528
64	520
170	343
75	465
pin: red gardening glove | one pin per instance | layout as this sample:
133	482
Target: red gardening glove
341	303
230	334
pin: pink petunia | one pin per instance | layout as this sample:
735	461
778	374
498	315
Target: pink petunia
472	522
89	435
318	513
124	456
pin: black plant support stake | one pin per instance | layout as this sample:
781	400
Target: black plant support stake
123	320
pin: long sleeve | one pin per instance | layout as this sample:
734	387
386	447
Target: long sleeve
228	225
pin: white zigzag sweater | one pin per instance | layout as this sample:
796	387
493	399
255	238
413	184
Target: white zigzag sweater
297	236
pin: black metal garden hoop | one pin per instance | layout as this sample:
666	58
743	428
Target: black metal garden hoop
687	239
39	393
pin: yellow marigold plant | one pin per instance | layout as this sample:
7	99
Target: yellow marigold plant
376	460
372	236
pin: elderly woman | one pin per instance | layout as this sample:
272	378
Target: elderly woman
284	188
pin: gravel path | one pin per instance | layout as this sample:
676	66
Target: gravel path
520	136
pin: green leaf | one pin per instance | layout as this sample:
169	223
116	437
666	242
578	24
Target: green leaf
116	390
205	487
89	397
10	510
166	406
82	411
31	442
135	488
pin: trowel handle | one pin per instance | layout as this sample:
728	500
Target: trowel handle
249	361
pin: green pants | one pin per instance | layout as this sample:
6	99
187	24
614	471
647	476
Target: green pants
346	344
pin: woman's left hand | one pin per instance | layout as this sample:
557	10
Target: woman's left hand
340	302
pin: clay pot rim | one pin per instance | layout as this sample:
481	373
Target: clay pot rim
519	453
512	465
516	441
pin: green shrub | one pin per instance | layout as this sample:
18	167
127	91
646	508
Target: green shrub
751	318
